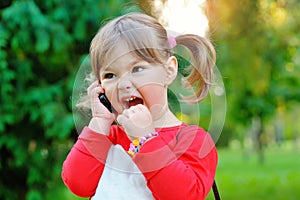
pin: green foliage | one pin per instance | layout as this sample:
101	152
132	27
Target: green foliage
41	43
258	56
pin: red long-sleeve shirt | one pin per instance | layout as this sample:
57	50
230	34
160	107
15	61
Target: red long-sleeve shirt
179	163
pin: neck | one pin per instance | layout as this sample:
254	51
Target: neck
167	120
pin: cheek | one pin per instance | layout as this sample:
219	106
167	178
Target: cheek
112	94
153	94
155	98
107	89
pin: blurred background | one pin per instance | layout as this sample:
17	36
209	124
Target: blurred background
43	42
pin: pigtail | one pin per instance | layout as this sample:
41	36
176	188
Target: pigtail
203	59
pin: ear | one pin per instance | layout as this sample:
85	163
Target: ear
171	69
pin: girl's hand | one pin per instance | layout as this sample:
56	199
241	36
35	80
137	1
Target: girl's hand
101	117
137	121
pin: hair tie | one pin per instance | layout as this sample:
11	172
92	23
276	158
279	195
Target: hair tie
172	41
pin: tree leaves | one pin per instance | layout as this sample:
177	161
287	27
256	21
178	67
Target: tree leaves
257	53
41	43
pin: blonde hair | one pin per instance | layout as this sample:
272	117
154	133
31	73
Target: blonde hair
147	39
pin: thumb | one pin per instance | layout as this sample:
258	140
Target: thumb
121	119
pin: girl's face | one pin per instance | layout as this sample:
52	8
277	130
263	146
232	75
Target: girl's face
129	81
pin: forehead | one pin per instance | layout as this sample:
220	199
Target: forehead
120	56
129	46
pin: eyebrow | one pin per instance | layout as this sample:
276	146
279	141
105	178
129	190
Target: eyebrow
133	62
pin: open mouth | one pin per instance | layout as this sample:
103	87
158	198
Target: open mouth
133	101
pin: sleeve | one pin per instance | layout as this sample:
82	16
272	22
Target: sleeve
183	168
84	164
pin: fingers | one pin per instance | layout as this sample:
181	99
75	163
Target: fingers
98	109
92	86
138	115
121	119
133	110
94	89
136	121
93	92
137	108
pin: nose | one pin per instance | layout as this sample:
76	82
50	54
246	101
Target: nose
125	83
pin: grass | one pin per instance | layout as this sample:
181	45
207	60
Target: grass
241	176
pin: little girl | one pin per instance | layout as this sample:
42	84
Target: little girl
148	153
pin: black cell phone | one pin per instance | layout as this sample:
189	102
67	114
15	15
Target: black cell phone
105	102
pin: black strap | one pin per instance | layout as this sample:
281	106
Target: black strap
216	192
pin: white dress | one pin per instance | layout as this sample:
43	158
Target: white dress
121	178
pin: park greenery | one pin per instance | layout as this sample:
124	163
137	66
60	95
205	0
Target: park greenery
42	44
258	45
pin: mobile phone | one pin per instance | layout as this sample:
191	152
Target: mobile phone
103	99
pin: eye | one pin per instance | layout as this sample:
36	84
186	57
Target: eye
109	76
137	69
